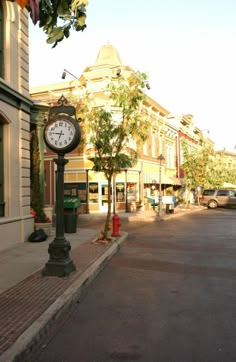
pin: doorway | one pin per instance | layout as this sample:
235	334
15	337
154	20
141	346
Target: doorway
104	198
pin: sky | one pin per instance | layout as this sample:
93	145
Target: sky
186	47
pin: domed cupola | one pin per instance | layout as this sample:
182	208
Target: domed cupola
109	55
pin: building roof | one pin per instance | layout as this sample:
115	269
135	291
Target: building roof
108	54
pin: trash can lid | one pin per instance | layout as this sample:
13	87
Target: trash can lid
71	202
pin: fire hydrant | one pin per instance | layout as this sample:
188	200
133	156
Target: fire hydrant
116	225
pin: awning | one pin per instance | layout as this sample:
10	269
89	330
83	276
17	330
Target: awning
153	178
176	181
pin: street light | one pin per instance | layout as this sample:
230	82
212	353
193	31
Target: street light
65	72
126	192
160	159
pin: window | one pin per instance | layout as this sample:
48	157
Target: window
132	144
208	192
120	192
1	40
222	193
169	156
131	191
145	149
93	192
153	145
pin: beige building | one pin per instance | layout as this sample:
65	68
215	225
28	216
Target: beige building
16	223
19	114
131	185
227	158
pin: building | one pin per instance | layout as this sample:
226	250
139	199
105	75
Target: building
20	114
228	158
188	132
131	185
16	223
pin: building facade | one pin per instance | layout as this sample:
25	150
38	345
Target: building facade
16	223
132	186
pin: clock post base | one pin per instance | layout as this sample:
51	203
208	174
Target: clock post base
58	269
60	263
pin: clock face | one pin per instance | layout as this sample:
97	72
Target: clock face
60	133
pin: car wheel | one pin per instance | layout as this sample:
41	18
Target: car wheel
212	204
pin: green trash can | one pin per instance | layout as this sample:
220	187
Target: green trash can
70	214
70	222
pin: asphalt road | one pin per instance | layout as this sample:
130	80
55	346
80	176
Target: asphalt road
169	295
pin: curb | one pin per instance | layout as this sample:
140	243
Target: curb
29	341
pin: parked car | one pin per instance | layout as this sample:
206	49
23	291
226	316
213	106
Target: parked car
213	198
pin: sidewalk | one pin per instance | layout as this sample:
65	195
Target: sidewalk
30	303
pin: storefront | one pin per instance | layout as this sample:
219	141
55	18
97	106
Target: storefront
94	194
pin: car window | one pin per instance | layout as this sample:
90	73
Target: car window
222	193
208	192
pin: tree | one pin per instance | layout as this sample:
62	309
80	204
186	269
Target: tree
111	130
36	194
56	17
201	168
229	170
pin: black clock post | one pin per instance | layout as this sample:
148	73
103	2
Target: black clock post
60	264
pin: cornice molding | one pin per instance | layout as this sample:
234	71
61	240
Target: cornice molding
12	97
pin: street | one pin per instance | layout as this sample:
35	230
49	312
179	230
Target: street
168	295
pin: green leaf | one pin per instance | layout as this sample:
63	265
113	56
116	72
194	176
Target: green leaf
63	8
78	4
81	20
56	35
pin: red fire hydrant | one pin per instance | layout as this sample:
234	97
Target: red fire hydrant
116	225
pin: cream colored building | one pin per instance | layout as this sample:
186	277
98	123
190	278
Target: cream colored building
133	184
19	114
227	158
16	223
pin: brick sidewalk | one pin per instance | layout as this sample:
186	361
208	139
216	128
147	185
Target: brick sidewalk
31	306
24	303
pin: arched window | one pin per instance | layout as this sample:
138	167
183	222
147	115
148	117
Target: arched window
1	40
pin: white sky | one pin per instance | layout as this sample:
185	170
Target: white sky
187	48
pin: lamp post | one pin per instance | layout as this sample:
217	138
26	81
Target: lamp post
65	72
87	191
160	159
126	192
114	193
139	187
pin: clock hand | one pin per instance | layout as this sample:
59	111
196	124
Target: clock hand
60	134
